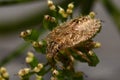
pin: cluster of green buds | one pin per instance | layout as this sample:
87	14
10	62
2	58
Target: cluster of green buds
51	5
55	73
66	74
59	15
27	72
30	57
35	68
38	68
3	74
66	13
70	8
49	18
23	72
26	33
37	44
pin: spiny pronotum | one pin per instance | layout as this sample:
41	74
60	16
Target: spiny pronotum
72	33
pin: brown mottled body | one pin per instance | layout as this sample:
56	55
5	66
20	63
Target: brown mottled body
71	33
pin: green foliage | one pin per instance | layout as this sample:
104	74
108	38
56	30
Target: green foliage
31	35
69	75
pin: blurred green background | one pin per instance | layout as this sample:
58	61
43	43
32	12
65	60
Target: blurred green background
19	15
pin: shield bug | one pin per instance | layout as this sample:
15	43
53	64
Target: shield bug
72	33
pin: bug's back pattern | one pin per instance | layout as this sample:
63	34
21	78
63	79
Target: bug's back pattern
72	33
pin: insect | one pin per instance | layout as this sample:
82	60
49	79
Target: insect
72	33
